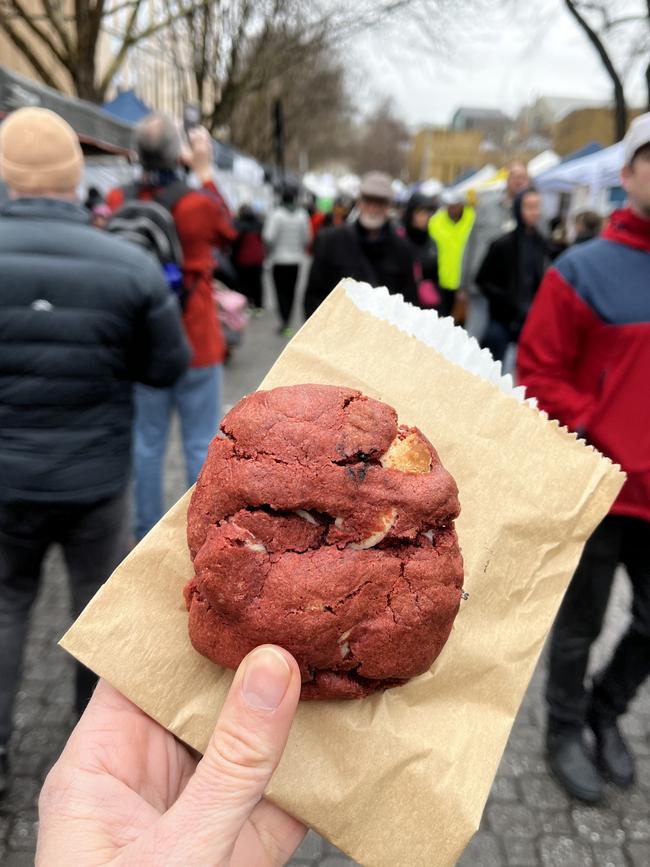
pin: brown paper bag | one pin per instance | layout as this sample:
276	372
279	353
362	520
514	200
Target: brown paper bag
400	778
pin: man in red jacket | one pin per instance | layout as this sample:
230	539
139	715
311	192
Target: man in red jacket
585	355
203	223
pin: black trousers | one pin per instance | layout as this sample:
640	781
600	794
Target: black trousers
447	299
250	283
618	539
285	278
94	540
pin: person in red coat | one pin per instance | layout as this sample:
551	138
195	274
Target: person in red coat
584	354
203	223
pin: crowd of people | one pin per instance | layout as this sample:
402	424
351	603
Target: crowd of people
482	264
109	326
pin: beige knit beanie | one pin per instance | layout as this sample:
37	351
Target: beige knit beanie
39	152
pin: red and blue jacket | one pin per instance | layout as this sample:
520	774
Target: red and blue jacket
584	351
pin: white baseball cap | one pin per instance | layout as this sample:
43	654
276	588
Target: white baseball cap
452	197
637	136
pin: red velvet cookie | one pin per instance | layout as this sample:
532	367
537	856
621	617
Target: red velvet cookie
319	524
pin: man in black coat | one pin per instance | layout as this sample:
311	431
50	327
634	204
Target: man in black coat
368	249
511	272
83	316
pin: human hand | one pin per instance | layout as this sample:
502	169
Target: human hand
199	158
126	792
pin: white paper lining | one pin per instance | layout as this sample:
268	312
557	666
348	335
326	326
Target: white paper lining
440	333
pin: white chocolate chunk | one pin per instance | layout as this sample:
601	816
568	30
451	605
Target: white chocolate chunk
376	537
303	513
252	545
409	455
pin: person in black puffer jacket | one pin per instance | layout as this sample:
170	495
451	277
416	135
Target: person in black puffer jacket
83	316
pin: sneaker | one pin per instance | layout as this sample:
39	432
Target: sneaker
613	755
572	766
4	770
287	331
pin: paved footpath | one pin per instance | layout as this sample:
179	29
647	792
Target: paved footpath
528	821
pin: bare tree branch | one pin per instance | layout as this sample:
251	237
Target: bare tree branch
172	43
620	106
613	23
28	53
128	4
209	39
54	17
44	37
122	52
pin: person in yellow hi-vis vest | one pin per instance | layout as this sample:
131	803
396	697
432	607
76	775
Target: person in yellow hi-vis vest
450	227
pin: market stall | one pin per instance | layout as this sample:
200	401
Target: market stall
592	181
98	132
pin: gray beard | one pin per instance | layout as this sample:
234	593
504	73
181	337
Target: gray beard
370	224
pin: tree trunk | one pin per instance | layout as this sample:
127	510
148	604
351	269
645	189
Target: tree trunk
87	35
620	106
85	83
620	111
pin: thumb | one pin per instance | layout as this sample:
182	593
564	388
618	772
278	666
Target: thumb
245	749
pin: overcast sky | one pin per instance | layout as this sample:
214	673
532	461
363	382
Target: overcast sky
496	63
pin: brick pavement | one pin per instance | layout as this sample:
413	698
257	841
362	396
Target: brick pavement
528	821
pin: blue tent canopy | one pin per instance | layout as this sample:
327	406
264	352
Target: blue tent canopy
127	106
463	176
587	150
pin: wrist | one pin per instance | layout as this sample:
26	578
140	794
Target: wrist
204	174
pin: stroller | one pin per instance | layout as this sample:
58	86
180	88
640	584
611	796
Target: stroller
233	315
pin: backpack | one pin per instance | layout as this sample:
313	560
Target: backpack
150	225
250	251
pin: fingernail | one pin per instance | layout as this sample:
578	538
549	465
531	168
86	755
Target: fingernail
266	679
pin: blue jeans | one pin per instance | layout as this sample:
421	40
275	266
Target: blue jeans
497	339
197	399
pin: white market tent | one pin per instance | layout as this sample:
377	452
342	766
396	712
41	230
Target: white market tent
106	173
495	184
431	187
400	191
476	180
244	184
597	172
543	162
348	185
323	186
489	179
327	185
